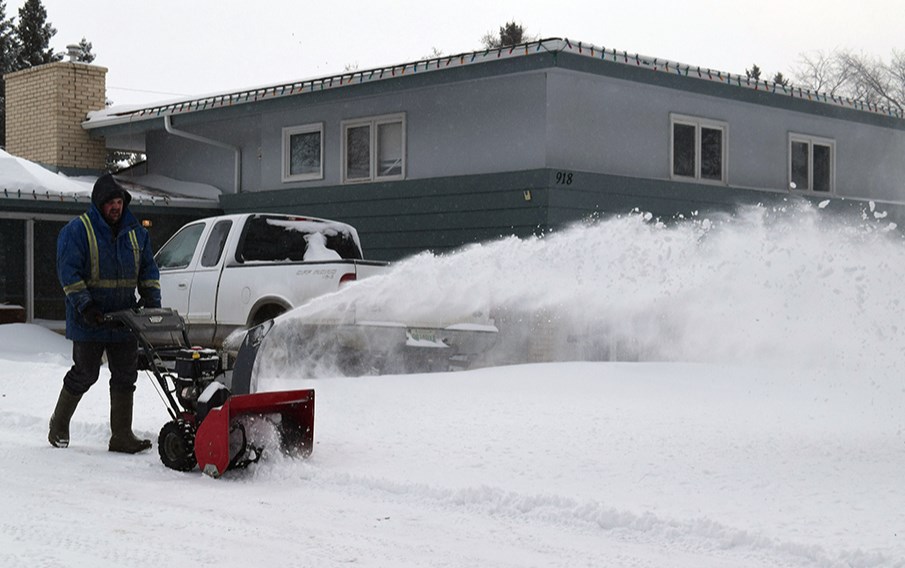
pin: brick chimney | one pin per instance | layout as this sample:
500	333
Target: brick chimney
45	106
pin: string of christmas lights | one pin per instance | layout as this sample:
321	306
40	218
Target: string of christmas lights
64	197
553	45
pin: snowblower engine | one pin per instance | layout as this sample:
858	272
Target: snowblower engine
196	368
212	426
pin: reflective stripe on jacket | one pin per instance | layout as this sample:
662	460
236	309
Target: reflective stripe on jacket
95	266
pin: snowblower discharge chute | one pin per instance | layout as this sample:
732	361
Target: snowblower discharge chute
212	426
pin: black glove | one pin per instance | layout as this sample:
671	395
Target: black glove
92	315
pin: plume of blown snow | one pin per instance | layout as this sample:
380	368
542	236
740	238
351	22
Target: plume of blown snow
770	285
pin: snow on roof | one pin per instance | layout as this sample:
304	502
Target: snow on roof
23	179
163	186
131	113
22	176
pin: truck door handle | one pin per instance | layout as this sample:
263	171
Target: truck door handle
182	285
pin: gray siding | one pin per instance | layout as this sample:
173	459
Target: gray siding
477	126
189	160
601	124
556	118
610	125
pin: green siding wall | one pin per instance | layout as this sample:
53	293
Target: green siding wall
398	219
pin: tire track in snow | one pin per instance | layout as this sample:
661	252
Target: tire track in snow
690	535
694	536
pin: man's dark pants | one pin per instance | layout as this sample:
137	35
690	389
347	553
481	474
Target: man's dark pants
122	358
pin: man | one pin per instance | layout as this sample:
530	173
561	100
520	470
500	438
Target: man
102	256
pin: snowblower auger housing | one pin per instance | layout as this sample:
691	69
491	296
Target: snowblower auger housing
212	427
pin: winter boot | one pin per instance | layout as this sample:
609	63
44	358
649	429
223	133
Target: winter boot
123	440
59	421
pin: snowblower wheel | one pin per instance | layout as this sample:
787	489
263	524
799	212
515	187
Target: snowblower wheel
176	445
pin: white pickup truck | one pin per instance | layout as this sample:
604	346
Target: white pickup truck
236	271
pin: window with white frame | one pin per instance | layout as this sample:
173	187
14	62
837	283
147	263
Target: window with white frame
303	152
698	149
811	163
373	148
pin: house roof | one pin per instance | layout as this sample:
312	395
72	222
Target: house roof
22	179
134	113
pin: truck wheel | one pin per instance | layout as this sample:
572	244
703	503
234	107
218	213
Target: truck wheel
266	313
176	445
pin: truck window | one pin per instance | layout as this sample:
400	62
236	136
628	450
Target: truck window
178	251
268	238
266	241
344	244
213	250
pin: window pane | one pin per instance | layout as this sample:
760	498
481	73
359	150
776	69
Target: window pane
178	252
358	152
683	150
389	149
266	238
712	153
305	153
800	151
215	242
821	167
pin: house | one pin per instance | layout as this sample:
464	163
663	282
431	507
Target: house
438	153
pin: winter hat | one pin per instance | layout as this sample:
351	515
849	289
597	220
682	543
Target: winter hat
107	188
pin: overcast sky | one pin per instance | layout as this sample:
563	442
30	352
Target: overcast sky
161	49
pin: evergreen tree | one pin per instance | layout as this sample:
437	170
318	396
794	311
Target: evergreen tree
509	35
753	73
780	79
86	56
9	44
9	48
34	33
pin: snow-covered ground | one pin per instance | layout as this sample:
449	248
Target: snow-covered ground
764	426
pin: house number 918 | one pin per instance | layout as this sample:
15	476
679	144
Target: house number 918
563	178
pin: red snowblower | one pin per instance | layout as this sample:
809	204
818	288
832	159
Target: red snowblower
215	427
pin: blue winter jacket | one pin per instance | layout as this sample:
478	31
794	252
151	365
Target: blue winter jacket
95	266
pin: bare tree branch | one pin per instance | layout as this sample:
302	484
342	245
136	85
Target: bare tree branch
872	79
856	76
897	72
823	72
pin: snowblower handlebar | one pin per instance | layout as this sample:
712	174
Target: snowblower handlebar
146	323
144	320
